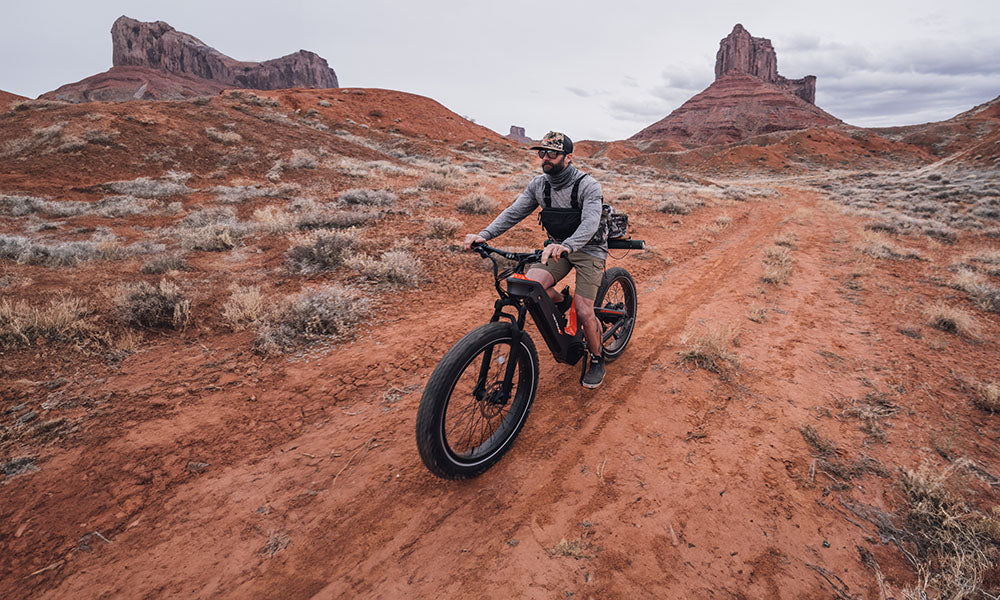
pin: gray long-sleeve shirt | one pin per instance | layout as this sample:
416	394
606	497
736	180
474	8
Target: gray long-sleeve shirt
590	196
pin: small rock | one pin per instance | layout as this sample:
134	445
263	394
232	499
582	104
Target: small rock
197	467
27	417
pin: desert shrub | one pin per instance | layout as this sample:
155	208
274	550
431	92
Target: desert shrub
982	293
673	206
163	264
477	204
707	347
396	267
987	396
987	259
241	193
878	245
786	239
171	184
147	305
100	137
955	543
951	319
214	215
321	251
757	313
17	206
742	193
37	105
301	159
253	99
57	254
433	181
777	265
244	307
226	138
122	206
367	197
211	238
330	310
62	319
441	227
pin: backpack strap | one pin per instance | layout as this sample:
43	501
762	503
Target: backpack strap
574	197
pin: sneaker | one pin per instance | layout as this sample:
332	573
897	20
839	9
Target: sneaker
595	373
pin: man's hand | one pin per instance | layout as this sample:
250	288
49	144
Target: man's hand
555	250
473	238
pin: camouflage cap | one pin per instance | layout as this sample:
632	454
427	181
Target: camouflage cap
555	140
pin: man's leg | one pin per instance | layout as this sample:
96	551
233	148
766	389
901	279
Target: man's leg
585	313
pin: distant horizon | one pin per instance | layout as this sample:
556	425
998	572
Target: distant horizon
874	67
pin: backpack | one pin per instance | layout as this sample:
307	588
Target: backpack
560	223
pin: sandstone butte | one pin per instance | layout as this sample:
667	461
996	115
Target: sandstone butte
748	97
154	61
518	135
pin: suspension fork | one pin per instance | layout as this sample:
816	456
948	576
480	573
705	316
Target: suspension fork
516	331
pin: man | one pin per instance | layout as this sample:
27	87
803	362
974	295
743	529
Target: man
571	204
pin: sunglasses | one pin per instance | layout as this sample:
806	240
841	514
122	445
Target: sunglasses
549	153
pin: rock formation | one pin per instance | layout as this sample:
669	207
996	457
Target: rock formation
736	106
517	134
747	98
160	46
740	52
154	61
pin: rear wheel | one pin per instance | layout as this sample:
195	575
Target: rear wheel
466	421
618	296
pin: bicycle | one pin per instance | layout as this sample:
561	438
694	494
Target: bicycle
479	395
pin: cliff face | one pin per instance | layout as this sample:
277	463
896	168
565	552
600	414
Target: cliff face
740	52
154	61
160	46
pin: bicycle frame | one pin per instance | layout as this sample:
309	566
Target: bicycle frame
565	340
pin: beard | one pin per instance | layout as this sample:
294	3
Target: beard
554	168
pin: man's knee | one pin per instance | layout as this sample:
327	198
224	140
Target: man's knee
541	276
585	309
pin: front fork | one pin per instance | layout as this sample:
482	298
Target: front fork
516	331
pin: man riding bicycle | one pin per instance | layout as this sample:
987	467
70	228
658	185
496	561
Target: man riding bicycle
572	203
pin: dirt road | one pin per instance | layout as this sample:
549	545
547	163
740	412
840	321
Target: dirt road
229	476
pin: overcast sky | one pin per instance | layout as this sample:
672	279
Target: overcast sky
596	70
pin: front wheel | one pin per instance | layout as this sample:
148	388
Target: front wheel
615	307
467	419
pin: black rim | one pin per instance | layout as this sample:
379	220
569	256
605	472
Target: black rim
620	297
474	424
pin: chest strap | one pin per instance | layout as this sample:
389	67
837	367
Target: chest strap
574	197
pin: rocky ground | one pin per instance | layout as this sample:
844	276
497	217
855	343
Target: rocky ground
218	316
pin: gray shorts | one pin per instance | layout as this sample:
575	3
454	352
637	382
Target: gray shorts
589	271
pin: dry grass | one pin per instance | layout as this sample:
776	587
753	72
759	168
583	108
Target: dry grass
60	320
327	311
578	548
674	207
322	250
879	245
396	267
245	306
433	181
227	138
368	197
477	204
165	264
820	444
951	320
986	396
146	305
708	347
757	313
956	544
442	227
777	265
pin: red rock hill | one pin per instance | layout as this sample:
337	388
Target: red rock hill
734	107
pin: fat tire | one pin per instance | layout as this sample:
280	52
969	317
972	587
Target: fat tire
431	438
618	276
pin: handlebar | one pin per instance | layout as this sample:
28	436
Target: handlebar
520	257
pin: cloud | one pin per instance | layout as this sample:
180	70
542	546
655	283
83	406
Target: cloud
584	93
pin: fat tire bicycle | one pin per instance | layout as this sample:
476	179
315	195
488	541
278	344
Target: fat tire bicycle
479	395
